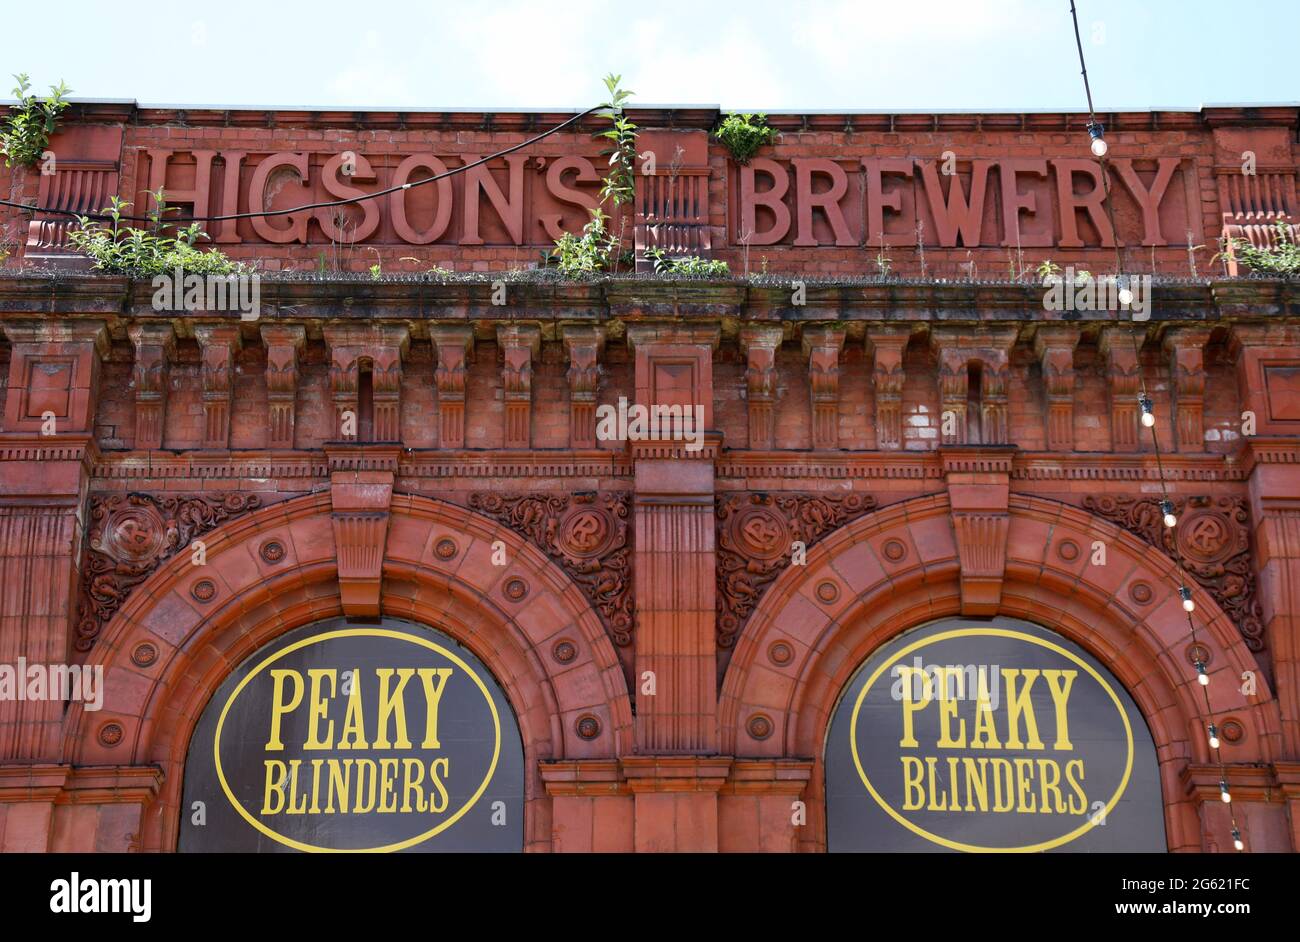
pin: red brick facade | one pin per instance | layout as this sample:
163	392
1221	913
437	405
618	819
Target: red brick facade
824	421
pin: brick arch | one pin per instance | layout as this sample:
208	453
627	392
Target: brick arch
276	570
899	567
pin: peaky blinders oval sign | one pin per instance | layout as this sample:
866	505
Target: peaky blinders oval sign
365	738
989	736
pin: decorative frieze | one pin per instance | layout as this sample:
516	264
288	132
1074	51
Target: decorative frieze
756	537
588	534
1212	540
130	535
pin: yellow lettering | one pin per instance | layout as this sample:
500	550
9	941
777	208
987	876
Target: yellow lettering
913	773
977	787
273	786
1024	782
1019	704
1060	694
934	805
432	695
352	721
911	706
1076	786
279	707
1004	798
1050	783
439	805
951	689
392	704
387	774
414	775
319	708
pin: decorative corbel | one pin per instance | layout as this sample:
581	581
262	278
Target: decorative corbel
822	345
583	346
759	346
1054	349
453	348
519	345
218	345
283	341
155	348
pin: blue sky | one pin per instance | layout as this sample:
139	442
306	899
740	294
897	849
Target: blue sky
832	54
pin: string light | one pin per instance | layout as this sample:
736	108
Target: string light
1125	292
1099	149
1096	130
1148	417
1167	508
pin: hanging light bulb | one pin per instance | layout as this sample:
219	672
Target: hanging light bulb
1186	593
1223	791
1167	508
1214	736
1096	130
1148	417
1125	292
1202	678
1236	839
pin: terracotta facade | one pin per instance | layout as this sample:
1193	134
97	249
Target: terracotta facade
823	392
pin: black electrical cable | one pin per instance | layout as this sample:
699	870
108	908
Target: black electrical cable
185	220
1145	400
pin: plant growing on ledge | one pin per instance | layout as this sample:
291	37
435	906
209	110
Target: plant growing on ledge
119	250
744	134
28	132
591	252
688	265
1282	258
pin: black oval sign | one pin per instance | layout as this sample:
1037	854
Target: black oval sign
363	738
992	736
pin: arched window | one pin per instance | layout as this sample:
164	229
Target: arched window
989	735
358	737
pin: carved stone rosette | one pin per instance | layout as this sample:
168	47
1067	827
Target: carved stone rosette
1213	537
755	533
130	535
588	534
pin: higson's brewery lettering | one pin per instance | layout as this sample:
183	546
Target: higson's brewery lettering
836	200
358	783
